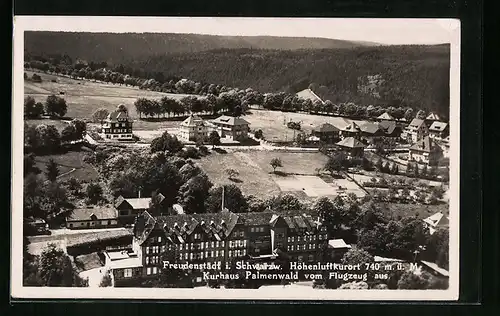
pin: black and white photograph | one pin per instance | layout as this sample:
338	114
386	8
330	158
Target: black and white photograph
235	158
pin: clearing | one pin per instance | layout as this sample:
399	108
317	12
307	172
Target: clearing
70	165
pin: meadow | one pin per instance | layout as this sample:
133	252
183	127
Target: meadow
71	165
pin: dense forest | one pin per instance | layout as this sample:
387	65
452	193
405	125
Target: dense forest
114	48
415	76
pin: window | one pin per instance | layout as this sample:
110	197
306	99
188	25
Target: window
109	222
216	253
147	250
289	239
230	253
222	243
163	248
147	260
159	238
148	271
70	225
293	239
206	244
212	254
217	244
320	237
191	256
201	246
127	273
180	247
298	238
201	255
197	236
212	244
314	246
288	248
310	258
186	256
244	243
222	253
252	229
242	233
244	251
293	248
155	270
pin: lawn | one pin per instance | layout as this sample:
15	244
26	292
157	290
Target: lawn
84	96
395	210
273	123
300	163
67	162
88	261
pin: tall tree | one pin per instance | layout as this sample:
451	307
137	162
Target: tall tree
94	193
276	163
100	115
214	139
52	170
56	269
55	106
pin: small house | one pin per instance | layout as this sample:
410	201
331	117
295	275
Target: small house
308	94
352	146
129	208
326	132
370	129
230	127
431	118
415	131
337	248
351	130
193	128
385	117
436	221
390	128
425	151
85	218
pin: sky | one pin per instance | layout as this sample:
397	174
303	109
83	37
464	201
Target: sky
383	31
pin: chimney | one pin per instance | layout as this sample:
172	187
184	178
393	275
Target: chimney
202	223
185	224
212	223
176	225
139	194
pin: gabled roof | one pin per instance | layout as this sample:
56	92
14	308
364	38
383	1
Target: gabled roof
351	142
437	126
387	127
436	268
82	214
426	145
416	123
230	120
115	115
325	128
437	219
136	203
433	117
308	94
193	120
385	116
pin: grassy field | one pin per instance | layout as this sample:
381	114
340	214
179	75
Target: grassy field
84	97
408	210
256	176
70	165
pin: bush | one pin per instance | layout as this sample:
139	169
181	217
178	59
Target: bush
203	150
293	125
190	152
258	134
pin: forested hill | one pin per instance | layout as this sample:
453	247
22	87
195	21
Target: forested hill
416	76
114	47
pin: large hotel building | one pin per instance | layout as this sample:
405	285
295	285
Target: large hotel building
216	237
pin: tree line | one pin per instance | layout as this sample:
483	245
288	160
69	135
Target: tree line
46	138
220	97
53	106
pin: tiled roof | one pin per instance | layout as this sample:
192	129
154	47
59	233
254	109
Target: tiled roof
437	219
438	126
80	214
337	244
351	142
436	268
385	116
433	117
352	127
262	218
230	120
369	127
308	94
426	145
325	128
193	120
135	203
416	123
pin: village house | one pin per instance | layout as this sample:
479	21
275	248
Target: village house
129	208
193	128
232	128
221	237
84	218
337	248
390	128
415	131
352	146
370	129
425	151
436	221
326	133
118	125
438	130
431	118
350	130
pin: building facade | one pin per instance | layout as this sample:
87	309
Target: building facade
326	133
438	130
92	218
425	151
193	128
117	126
232	128
129	208
415	131
222	237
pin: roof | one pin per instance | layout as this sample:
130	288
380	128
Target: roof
135	203
308	94
82	214
230	120
433	117
436	268
438	126
193	120
325	128
337	244
416	123
126	263
385	116
369	127
118	255
437	219
383	259
351	142
387	127
115	115
352	127
426	145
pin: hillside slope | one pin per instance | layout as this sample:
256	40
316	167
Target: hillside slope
112	47
416	76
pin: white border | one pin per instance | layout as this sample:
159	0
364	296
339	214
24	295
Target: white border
102	24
